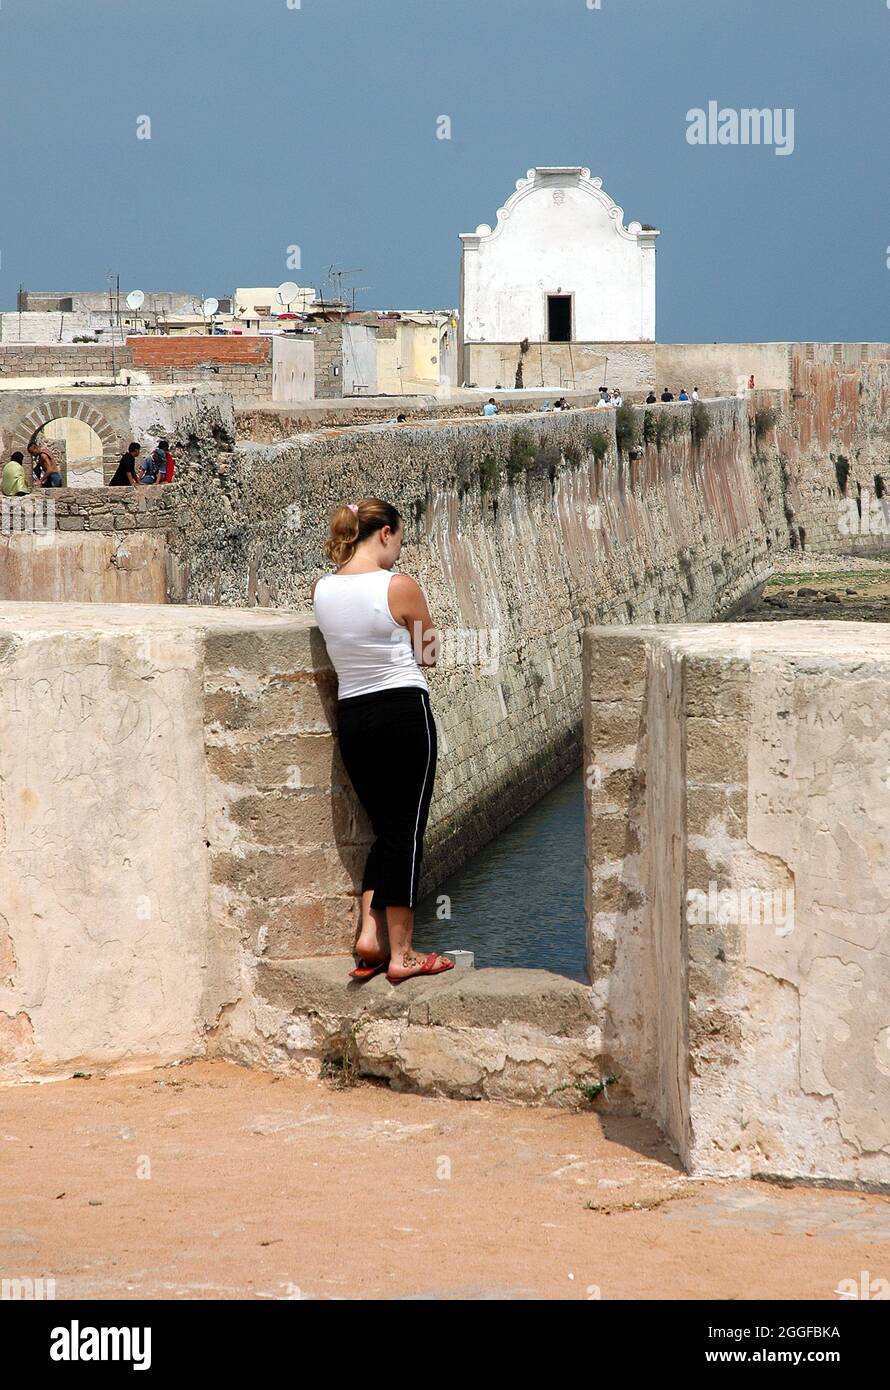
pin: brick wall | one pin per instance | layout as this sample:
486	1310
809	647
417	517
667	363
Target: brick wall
194	351
240	366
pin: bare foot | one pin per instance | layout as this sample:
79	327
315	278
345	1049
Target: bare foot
412	964
370	947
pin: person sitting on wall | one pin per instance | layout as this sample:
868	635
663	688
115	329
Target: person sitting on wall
490	408
695	395
667	395
603	403
43	466
13	482
616	397
651	399
126	474
683	396
157	463
171	464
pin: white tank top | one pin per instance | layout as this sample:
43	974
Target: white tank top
369	650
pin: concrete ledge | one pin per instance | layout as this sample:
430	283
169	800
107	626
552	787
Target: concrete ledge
519	1035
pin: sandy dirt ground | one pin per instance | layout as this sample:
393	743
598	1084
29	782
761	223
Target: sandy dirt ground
841	588
207	1181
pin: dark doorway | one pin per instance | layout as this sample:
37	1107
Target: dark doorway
559	318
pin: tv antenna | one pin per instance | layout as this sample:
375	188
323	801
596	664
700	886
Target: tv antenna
336	277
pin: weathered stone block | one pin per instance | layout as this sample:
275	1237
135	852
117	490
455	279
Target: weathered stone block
742	986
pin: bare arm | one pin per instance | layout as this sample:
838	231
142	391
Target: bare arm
408	606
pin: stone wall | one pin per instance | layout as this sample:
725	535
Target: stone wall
52	327
264	424
87	545
521	537
171	815
239	365
831	439
723	369
181	857
737	890
79	360
563	366
104	544
329	361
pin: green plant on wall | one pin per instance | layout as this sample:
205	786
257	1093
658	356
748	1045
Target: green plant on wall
523	452
463	465
597	443
699	422
649	427
664	428
626	429
489	473
571	452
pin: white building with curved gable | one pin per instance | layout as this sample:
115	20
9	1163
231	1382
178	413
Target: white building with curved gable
560	271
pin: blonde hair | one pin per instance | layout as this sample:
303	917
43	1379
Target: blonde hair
355	522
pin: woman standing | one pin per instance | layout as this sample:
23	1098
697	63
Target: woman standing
379	634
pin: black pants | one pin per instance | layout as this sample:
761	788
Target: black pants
388	746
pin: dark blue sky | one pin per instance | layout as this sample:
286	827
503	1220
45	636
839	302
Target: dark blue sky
316	126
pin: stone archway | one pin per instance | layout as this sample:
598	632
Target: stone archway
62	408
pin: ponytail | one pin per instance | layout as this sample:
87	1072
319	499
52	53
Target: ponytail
355	522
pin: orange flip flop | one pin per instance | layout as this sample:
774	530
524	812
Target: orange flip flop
429	967
366	970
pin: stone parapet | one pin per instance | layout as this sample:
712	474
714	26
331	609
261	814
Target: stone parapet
738	889
173	812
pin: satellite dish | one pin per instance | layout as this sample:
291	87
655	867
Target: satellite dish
288	292
135	299
209	307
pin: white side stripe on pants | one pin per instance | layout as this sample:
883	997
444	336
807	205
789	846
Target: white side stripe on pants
429	758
